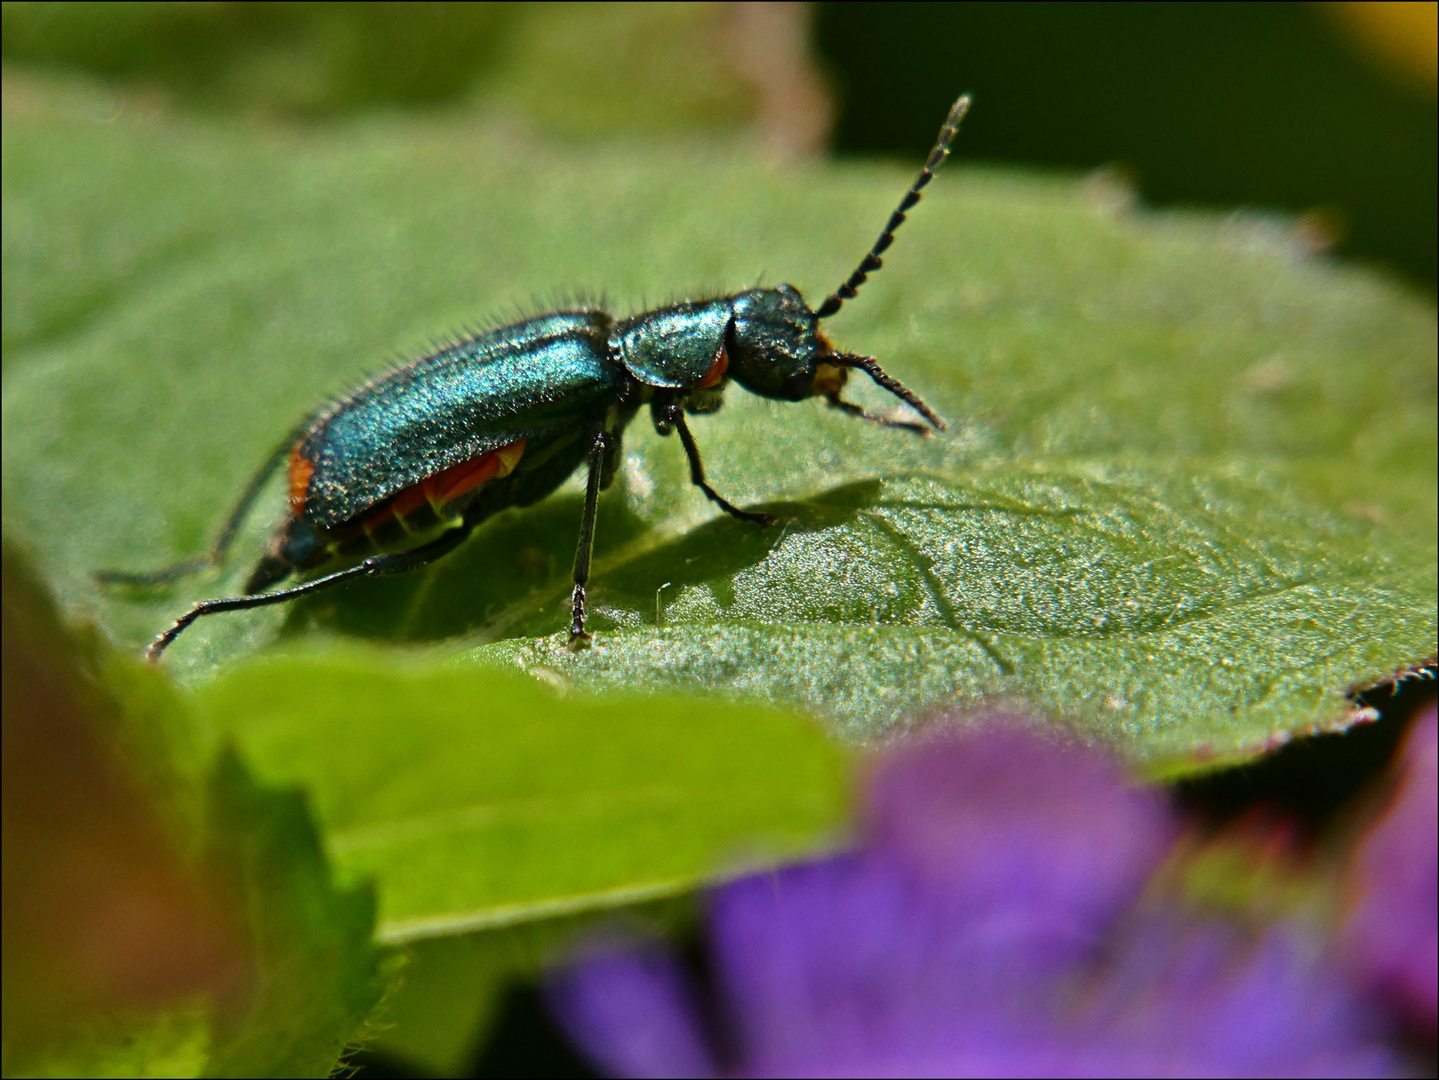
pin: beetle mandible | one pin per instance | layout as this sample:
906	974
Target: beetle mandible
502	418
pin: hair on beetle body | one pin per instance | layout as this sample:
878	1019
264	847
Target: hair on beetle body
400	470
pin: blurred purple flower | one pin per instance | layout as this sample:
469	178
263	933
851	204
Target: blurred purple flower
988	925
1392	933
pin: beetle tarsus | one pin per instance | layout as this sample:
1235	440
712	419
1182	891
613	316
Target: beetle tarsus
154	650
754	517
579	639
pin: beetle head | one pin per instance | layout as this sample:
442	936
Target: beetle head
775	345
776	349
774	342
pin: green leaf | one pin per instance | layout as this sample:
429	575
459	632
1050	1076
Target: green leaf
1187	499
446	1002
165	915
1180	612
317	974
477	799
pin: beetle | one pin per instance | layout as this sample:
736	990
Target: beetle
501	418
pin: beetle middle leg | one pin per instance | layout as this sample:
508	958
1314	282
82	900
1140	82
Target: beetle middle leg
395	563
599	452
673	416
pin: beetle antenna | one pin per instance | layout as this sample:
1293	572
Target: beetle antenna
216	555
872	261
871	368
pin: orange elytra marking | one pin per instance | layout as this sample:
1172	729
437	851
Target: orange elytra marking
301	469
716	371
455	481
446	486
409	500
374	521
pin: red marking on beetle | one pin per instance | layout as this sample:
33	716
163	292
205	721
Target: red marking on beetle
403	504
447	486
373	521
409	500
716	372
301	469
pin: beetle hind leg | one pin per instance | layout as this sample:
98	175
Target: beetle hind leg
395	563
176	571
149	578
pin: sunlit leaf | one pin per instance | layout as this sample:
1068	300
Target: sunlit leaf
1186	500
477	799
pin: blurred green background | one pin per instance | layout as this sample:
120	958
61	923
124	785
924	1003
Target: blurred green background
1320	110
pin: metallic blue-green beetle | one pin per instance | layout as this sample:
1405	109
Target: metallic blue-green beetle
500	419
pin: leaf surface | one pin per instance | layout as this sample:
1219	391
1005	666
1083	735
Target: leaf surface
1186	500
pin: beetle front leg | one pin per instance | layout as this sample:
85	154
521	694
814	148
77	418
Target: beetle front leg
673	416
862	413
598	447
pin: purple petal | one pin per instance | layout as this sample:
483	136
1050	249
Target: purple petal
1392	933
631	1010
1000	818
997	860
1180	997
854	960
1175	998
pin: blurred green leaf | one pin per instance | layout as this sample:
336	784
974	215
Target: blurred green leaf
1187	499
579	70
317	973
163	915
475	798
446	1001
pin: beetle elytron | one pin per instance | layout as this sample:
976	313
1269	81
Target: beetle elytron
502	418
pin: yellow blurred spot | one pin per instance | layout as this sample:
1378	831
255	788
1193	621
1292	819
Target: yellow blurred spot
1404	37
